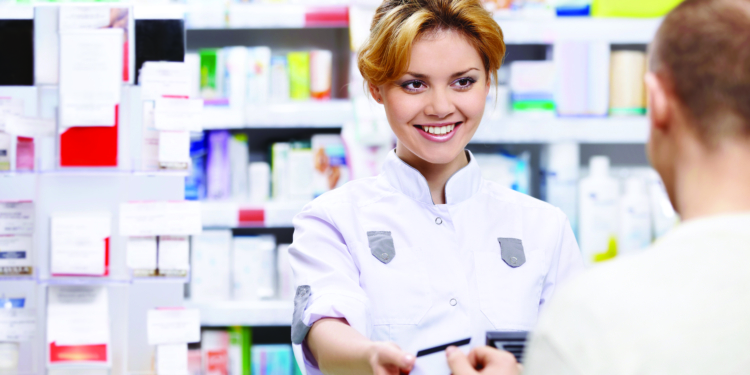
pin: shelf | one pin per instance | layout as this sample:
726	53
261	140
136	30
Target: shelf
520	129
266	16
306	114
244	313
230	214
93	171
548	31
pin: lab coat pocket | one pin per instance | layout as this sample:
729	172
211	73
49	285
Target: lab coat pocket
509	296
399	289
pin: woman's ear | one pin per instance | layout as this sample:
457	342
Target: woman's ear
375	92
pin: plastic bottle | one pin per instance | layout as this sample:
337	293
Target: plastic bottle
560	165
635	217
598	199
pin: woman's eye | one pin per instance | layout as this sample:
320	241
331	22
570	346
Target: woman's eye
413	85
464	82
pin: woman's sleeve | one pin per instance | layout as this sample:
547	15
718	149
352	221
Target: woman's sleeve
566	260
325	273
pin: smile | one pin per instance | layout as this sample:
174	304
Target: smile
439	132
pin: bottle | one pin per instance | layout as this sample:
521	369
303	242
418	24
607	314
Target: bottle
598	199
635	217
559	183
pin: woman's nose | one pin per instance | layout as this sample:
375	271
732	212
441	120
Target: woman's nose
440	105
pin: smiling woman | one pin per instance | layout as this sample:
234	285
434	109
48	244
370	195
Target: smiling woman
428	253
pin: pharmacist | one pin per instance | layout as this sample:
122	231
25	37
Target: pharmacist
428	252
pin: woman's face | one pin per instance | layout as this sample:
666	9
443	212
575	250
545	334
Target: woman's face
435	107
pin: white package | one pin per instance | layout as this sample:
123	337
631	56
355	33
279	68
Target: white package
239	156
16	217
301	174
174	253
178	218
210	273
286	277
79	243
253	267
15	255
78	315
560	168
259	174
174	149
236	76
141	253
172	359
635	217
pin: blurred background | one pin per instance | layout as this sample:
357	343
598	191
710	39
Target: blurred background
190	134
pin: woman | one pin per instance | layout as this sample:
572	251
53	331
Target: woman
427	253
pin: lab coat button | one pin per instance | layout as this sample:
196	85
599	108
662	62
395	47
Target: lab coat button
513	261
453	302
438	220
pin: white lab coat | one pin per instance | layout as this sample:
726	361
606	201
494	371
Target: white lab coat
448	279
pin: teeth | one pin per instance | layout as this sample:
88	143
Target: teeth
439	130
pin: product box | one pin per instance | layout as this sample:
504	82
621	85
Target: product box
276	359
240	341
218	166
210	270
331	169
632	8
299	75
195	182
212	73
254	267
215	352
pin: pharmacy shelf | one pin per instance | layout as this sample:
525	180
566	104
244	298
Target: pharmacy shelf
520	129
229	214
244	313
266	16
302	114
548	31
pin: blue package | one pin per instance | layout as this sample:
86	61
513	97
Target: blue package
12	303
574	11
195	182
275	359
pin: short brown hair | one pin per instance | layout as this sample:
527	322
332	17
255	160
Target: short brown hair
398	23
703	49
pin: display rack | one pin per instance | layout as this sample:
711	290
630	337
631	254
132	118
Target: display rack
303	114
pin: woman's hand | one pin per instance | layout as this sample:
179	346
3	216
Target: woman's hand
490	360
386	358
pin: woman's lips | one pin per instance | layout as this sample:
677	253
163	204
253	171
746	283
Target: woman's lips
439	137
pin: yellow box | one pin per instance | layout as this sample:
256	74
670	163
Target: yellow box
632	8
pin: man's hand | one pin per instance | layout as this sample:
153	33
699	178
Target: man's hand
490	360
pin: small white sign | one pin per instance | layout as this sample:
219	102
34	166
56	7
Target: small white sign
141	253
178	114
17	217
176	218
173	326
30	126
17	325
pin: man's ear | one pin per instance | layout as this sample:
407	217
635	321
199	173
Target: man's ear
375	92
658	106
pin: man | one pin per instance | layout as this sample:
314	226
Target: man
683	306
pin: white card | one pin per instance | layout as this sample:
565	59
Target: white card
174	253
15	254
178	114
173	326
77	315
9	107
435	363
90	76
30	126
78	243
160	78
174	147
17	217
141	252
172	359
17	325
178	218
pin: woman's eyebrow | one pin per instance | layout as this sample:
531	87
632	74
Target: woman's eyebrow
420	75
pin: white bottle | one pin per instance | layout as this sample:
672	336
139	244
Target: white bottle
598	199
560	173
635	217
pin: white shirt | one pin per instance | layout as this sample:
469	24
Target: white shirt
681	307
447	280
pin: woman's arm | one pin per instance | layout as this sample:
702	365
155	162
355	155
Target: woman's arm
339	349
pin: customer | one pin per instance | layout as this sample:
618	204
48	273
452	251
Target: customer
683	306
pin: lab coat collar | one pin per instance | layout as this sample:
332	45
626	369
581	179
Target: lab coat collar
404	178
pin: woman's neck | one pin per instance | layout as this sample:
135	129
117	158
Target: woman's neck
437	175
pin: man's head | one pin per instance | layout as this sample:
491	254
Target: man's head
699	81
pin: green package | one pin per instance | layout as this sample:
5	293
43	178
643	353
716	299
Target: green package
240	342
209	69
299	75
632	8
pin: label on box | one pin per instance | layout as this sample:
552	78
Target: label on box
17	325
173	326
17	217
177	218
15	255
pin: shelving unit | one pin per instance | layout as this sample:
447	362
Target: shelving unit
253	313
548	31
520	129
307	114
267	16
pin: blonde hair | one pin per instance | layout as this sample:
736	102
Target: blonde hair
384	56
